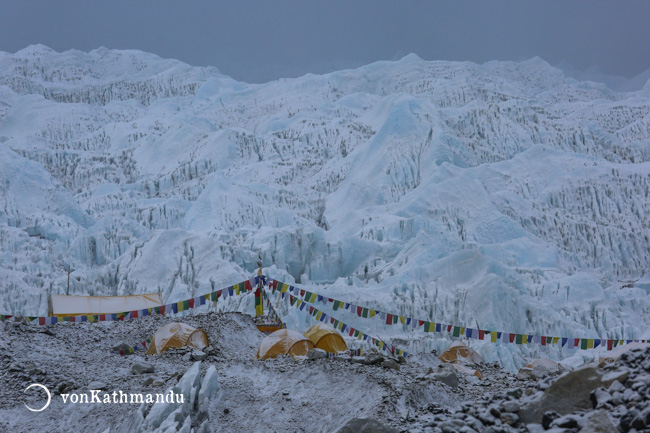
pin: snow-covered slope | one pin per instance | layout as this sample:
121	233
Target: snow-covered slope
502	196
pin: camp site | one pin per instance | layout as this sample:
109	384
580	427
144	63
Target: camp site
286	216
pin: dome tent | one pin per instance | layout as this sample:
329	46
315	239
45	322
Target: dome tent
459	352
325	337
177	335
284	342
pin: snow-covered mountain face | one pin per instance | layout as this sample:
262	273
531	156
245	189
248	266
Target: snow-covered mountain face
499	196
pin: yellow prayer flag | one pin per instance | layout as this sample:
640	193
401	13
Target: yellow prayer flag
590	343
493	336
555	340
179	305
371	313
319	315
402	319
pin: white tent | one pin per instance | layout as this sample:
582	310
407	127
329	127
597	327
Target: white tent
63	305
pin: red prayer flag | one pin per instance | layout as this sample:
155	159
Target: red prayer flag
420	322
481	334
389	319
359	310
190	302
247	285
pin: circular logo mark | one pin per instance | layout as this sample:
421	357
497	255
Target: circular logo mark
47	391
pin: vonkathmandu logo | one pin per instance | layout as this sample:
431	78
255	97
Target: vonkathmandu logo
47	391
116	397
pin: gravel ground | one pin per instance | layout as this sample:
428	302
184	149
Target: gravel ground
281	395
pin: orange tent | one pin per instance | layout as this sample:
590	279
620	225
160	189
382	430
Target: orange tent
458	352
284	342
177	335
325	337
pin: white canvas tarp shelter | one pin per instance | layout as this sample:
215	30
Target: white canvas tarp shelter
64	305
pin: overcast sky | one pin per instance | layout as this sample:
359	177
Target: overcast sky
262	40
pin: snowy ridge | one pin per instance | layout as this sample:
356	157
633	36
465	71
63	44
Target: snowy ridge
503	196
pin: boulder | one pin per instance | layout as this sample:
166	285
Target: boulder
445	374
570	393
598	422
373	358
366	425
142	368
97	385
314	354
122	348
198	355
390	363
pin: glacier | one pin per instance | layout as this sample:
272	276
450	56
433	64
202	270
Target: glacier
504	196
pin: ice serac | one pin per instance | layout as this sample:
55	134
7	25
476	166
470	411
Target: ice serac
503	196
177	417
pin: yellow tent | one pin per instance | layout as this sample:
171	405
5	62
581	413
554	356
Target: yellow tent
63	305
284	342
325	337
177	335
458	352
611	357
